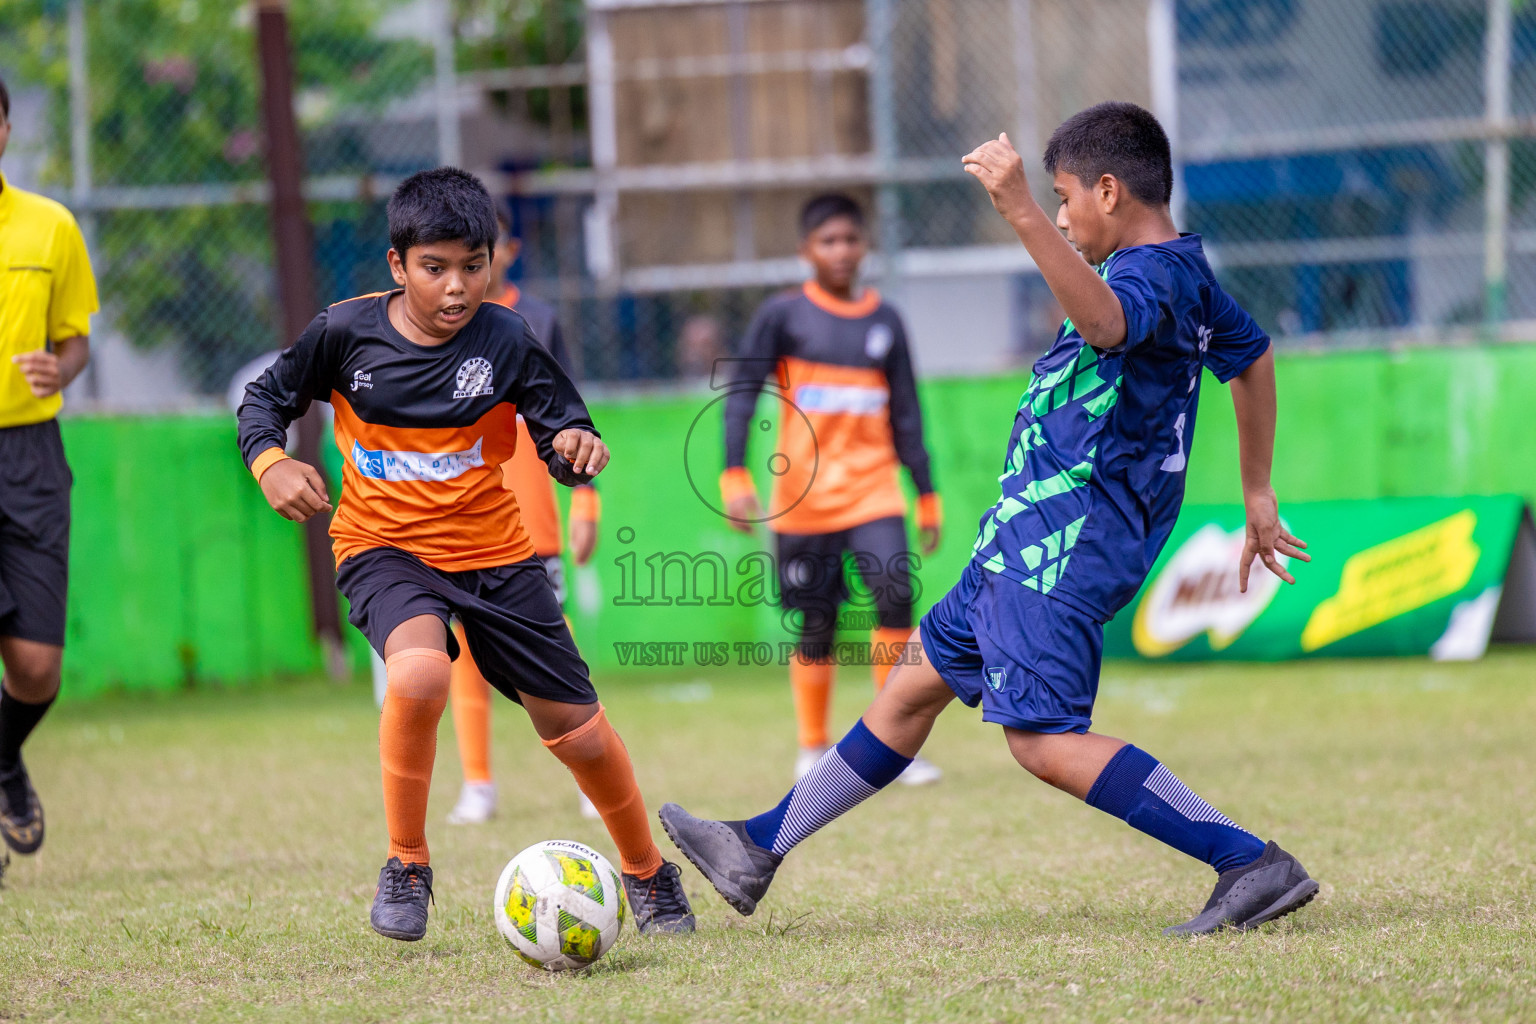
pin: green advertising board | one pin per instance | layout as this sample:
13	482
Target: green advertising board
1406	576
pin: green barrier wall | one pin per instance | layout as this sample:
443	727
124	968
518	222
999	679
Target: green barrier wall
181	575
178	570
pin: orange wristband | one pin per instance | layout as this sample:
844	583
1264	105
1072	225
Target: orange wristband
586	506
266	460
735	483
930	510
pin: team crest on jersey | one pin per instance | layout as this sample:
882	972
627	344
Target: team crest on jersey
474	378
878	341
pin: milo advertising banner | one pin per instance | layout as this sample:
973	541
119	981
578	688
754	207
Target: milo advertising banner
1404	576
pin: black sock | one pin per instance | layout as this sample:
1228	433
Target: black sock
17	720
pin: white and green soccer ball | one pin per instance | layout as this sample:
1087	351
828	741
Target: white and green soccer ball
560	904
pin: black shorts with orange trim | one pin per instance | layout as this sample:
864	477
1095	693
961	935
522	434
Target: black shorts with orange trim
512	621
34	532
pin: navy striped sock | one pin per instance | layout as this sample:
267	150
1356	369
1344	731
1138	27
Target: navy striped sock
847	775
1136	788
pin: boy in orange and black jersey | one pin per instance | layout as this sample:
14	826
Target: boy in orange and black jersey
428	383
527	477
840	356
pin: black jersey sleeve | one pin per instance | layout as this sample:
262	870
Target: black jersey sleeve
302	373
563	358
756	360
549	403
906	414
558	350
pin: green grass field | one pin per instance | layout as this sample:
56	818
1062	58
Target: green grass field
212	857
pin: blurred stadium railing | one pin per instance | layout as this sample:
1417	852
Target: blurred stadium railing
1363	170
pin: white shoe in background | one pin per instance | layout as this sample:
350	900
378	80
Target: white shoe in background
477	804
921	772
806	760
588	808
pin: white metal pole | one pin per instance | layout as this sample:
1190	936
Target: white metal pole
1163	63
1028	122
446	85
602	118
1496	161
745	228
880	27
80	149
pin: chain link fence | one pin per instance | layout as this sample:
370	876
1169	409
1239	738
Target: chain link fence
1362	169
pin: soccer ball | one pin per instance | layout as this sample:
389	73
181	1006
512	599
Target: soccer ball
560	904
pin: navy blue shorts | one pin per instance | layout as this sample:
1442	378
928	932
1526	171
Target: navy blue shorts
1030	661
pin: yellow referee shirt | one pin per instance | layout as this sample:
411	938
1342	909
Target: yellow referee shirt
47	293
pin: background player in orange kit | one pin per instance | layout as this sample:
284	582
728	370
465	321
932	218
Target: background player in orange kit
527	477
841	356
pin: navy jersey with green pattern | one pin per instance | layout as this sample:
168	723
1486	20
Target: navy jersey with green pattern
1094	472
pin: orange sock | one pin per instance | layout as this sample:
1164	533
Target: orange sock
811	682
413	705
470	698
893	641
596	756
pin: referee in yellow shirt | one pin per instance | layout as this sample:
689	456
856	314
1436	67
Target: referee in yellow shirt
47	296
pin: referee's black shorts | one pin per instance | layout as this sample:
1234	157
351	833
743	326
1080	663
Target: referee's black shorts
512	621
34	532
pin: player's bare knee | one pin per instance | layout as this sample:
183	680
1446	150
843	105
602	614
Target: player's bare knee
914	693
32	670
1035	752
32	681
553	719
419	632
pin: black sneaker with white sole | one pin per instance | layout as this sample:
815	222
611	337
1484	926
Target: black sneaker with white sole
1245	897
738	868
659	903
21	813
400	902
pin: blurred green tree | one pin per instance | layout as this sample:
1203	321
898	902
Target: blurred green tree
175	101
524	33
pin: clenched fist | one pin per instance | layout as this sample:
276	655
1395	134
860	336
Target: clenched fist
585	450
1000	169
295	490
41	370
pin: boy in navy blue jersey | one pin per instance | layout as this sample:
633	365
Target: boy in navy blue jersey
1092	481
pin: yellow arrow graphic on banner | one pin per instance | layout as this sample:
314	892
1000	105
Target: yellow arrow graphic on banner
1395	577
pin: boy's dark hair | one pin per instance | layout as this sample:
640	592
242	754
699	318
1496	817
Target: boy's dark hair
1115	138
441	205
5	100
820	209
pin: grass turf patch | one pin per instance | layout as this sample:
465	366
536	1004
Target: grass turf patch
213	856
